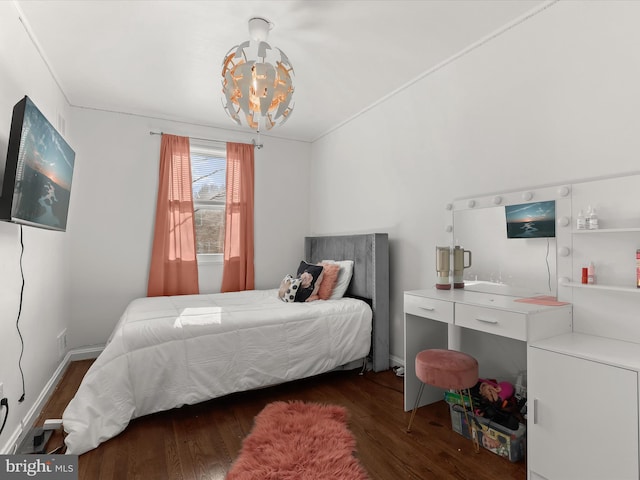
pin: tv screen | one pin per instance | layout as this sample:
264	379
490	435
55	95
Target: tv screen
38	171
531	220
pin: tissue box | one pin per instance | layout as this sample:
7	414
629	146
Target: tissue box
500	440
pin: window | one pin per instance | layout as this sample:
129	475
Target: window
208	172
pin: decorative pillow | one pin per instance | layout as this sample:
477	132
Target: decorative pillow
329	280
288	289
310	277
344	278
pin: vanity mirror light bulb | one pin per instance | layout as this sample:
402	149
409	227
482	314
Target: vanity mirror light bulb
563	221
564	251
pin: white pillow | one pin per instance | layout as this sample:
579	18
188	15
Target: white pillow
344	277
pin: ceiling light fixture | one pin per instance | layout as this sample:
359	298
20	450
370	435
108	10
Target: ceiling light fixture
256	81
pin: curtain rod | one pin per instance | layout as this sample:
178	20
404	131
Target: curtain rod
253	142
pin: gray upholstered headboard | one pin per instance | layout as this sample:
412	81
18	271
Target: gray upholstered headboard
370	281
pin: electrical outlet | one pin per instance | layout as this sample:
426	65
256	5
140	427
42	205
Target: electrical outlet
62	343
61	124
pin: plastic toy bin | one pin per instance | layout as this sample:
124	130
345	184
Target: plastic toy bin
500	440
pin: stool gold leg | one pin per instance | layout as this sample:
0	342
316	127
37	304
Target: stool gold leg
415	406
472	425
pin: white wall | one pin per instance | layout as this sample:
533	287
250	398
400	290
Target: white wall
45	306
114	210
553	99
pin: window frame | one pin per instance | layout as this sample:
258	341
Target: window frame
207	149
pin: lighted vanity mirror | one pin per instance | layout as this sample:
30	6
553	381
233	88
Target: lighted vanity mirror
521	266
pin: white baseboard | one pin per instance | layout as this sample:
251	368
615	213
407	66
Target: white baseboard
396	361
83	353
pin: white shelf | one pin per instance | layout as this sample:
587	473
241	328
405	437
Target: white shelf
608	230
601	287
613	288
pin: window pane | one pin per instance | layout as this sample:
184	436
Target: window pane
209	230
208	172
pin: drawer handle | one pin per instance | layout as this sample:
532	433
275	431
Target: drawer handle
487	320
428	309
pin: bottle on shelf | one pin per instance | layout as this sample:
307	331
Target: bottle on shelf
591	274
581	221
593	220
586	218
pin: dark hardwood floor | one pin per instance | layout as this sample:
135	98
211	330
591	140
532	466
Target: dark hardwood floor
201	441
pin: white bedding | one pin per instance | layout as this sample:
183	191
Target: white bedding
166	352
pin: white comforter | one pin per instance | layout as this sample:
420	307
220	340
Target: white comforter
166	352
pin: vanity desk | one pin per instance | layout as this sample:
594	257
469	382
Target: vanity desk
582	359
434	319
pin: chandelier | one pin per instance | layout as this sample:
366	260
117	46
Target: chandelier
256	81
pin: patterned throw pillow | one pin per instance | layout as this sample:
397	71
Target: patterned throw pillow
288	289
310	276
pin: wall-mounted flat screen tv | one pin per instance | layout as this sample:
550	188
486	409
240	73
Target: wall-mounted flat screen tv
38	171
531	220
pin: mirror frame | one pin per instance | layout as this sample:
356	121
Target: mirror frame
560	193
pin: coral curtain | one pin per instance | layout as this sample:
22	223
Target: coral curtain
238	270
174	263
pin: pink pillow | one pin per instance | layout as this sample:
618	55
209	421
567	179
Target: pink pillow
329	280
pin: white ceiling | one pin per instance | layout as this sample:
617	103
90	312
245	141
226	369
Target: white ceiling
163	58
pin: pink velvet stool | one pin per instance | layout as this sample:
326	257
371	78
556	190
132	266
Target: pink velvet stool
447	369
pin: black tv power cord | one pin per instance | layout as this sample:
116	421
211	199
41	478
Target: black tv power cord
4	403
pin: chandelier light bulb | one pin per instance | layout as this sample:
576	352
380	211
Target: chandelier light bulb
257	81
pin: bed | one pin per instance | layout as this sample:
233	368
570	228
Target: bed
166	352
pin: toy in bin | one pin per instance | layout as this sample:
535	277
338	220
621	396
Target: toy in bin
496	401
494	391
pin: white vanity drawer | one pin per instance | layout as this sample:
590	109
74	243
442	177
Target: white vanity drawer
439	310
491	320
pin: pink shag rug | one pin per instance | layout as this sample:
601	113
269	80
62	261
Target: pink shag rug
299	441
